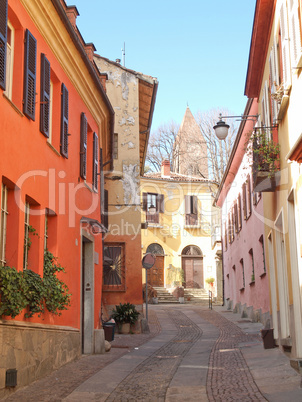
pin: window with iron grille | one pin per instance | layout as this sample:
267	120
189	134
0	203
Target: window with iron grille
114	266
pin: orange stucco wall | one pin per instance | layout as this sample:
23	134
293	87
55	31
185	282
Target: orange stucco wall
45	178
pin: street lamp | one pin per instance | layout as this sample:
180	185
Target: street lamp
221	128
152	210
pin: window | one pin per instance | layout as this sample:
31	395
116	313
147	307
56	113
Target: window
239	213
251	253
248	196
64	121
263	253
45	94
29	97
3	43
9	60
114	266
153	204
191	209
285	47
242	270
236	221
26	236
83	146
3	224
231	227
265	116
115	146
244	201
95	161
225	236
274	80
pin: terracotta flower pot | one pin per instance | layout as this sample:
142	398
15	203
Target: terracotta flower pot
125	328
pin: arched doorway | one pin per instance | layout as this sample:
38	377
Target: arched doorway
156	273
192	265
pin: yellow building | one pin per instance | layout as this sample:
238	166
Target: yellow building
274	77
132	96
178	222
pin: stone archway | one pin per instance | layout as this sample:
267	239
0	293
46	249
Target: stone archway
192	265
156	273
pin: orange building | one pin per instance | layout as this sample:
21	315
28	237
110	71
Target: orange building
56	124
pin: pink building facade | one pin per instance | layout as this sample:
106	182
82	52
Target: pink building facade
246	284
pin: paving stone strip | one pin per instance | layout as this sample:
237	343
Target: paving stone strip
229	378
150	380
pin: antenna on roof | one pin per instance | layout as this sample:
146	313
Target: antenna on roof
124	54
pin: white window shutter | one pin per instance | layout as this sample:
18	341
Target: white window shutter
295	34
274	82
285	47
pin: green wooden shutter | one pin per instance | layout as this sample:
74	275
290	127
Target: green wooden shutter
45	95
95	161
83	147
3	38
64	121
29	101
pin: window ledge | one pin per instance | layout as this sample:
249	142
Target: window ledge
242	289
252	283
53	148
13	105
154	225
192	226
263	275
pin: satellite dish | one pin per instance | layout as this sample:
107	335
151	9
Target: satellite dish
148	261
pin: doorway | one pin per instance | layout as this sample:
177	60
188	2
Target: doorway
155	274
87	305
192	265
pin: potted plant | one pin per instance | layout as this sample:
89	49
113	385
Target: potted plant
125	315
210	281
265	157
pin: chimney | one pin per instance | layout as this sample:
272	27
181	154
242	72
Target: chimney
165	168
72	13
90	49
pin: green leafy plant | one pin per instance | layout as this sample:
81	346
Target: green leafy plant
125	313
26	289
35	293
210	280
12	292
57	296
265	152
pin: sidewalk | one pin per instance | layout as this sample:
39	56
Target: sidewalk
270	368
180	360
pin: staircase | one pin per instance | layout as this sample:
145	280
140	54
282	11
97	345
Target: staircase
199	296
164	296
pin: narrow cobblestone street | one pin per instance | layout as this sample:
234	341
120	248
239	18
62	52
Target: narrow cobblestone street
191	354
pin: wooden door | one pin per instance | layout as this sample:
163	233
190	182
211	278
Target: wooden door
156	273
193	272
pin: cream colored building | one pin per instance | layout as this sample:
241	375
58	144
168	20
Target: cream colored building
132	96
180	229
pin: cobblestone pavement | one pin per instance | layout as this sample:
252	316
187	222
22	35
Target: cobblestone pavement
59	384
191	354
150	380
229	378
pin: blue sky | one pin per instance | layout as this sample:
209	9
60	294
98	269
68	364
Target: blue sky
198	50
